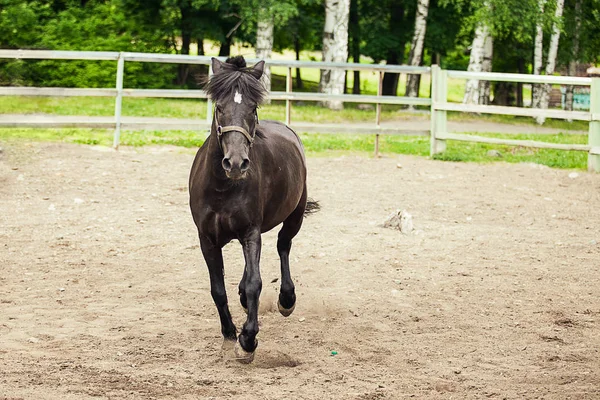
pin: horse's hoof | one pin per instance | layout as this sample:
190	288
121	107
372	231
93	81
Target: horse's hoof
242	355
286	312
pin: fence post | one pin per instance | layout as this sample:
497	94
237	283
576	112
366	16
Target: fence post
119	100
378	114
209	108
439	94
594	127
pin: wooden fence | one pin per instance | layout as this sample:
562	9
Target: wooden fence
440	106
438	131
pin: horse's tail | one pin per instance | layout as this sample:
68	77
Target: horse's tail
312	206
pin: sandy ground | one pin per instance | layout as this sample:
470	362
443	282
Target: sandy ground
104	293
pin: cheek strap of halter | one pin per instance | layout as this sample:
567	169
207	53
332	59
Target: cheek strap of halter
221	130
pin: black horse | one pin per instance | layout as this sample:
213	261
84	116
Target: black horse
246	179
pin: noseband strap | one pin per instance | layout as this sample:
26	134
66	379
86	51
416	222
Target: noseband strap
221	130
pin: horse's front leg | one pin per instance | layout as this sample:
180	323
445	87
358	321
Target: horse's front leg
247	342
214	260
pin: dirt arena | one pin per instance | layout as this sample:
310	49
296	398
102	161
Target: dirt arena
104	293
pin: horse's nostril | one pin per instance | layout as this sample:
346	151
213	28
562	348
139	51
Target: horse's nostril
245	165
226	164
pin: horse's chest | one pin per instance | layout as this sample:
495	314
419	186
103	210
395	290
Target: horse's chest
223	224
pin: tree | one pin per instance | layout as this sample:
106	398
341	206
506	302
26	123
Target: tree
552	52
303	31
179	22
354	29
538	56
574	52
493	20
482	47
416	47
335	48
385	28
261	17
264	42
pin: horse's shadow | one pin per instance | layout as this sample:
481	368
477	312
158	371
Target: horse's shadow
267	359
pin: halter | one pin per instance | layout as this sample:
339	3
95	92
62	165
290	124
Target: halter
221	130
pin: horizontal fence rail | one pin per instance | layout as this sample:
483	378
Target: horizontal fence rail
438	102
440	106
59	92
523	78
202	60
59	55
516	111
514	142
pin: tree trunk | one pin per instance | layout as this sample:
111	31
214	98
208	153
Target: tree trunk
416	47
504	94
200	42
574	55
264	43
552	52
486	66
186	40
299	83
346	81
335	48
225	49
390	80
538	58
202	70
395	55
476	61
355	35
521	69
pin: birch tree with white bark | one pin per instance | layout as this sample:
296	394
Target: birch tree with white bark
477	61
538	56
495	21
572	69
264	42
486	66
267	15
552	52
335	49
416	46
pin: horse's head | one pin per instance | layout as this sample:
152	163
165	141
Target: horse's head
237	92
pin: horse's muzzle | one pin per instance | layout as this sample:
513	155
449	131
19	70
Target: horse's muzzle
236	167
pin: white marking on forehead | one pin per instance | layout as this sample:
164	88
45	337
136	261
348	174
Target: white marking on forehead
238	97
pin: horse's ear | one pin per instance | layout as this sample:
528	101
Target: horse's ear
258	69
216	65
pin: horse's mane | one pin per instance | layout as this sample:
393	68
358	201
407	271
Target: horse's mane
235	76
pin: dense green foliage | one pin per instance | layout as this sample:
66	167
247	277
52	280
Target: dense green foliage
380	31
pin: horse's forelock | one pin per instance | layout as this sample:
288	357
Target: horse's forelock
237	61
233	76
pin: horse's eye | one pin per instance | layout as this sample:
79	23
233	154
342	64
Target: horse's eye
219	109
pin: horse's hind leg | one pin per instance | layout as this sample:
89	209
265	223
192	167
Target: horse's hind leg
214	260
291	226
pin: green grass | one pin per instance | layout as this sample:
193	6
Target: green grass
477	152
326	144
307	112
182	108
516	120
